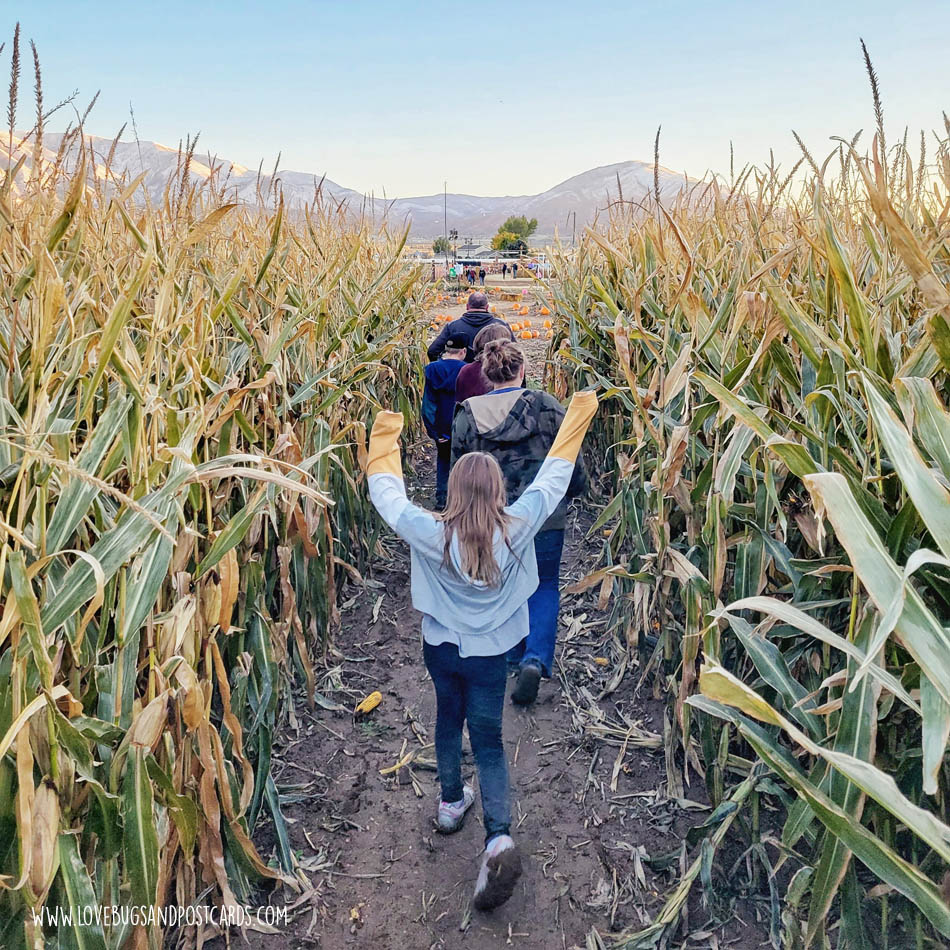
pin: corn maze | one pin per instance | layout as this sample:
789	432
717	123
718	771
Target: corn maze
778	518
185	390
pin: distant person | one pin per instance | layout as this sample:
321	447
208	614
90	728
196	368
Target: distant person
471	276
514	270
481	276
438	407
517	427
476	316
471	380
473	570
504	271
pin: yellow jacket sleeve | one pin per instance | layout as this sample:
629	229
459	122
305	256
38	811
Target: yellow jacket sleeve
581	410
384	445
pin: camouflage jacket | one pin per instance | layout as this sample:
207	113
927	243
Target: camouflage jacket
517	427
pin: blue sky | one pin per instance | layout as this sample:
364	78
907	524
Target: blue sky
497	98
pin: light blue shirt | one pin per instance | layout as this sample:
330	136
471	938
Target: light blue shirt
480	620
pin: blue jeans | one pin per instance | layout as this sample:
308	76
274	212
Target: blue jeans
473	689
443	459
543	605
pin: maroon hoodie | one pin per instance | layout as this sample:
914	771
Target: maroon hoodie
471	381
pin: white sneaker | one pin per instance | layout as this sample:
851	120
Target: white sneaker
452	814
500	870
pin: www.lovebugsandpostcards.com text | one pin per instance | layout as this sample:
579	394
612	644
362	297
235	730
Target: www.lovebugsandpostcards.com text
165	917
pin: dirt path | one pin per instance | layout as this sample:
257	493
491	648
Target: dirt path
500	294
588	783
383	877
601	841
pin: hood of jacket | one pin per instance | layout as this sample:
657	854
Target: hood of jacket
505	416
478	318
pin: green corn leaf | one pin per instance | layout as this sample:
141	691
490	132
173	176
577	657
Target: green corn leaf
146	576
936	732
793	454
926	418
720	685
183	810
771	666
30	617
140	839
280	825
930	498
938	330
74	501
807	624
920	632
880	859
855	738
113	327
856	310
852	914
80	894
232	533
116	547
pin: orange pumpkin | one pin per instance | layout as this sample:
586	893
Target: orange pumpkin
545	312
547	323
525	334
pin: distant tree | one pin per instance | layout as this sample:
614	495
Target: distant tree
508	241
514	233
441	245
520	225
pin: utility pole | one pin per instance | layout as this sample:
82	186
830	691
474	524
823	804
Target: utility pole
574	231
445	219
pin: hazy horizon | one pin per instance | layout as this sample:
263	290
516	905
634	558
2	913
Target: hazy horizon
393	101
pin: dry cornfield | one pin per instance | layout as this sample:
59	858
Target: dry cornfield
183	398
777	465
184	391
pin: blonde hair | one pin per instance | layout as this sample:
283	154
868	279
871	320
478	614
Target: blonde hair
475	510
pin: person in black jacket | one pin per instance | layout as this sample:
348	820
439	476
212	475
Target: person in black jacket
476	316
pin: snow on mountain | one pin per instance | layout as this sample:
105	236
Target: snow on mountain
585	195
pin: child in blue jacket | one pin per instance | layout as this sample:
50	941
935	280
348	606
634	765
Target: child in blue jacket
438	408
473	570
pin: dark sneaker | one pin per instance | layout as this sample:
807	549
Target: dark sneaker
500	870
526	691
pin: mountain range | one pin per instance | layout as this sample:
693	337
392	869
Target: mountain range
577	200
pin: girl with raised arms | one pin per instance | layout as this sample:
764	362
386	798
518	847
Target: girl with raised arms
473	570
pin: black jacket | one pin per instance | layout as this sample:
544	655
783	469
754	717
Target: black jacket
468	325
517	427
